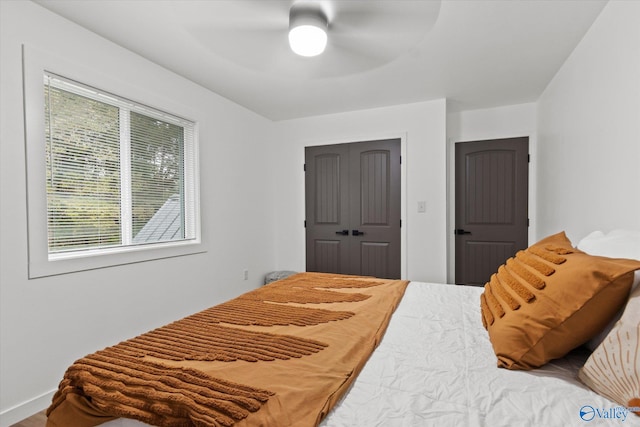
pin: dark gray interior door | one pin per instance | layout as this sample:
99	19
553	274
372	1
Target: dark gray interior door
491	185
327	208
353	208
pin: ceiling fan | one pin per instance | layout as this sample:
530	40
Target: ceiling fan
361	35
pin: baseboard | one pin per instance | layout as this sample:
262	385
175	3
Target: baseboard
24	410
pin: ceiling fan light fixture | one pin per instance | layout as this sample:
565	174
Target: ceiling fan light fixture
307	31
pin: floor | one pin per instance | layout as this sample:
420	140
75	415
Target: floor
37	420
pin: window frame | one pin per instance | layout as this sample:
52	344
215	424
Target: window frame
41	263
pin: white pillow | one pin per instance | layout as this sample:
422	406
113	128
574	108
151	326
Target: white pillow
615	244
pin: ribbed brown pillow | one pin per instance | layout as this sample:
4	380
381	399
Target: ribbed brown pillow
549	299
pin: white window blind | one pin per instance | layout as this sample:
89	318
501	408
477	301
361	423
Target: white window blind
118	173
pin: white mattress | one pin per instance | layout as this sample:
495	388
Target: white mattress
435	367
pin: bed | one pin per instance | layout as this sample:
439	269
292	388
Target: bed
427	361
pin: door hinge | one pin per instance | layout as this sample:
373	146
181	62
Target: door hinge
305	223
304	167
527	222
400	223
400	159
528	158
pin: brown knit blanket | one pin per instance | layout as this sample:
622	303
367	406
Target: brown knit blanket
281	355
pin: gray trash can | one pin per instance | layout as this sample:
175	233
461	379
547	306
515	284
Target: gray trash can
277	275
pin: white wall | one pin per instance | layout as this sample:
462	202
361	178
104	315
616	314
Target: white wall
589	131
423	125
47	323
492	123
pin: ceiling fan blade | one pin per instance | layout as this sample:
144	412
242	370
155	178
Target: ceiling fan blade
253	48
387	16
232	14
367	55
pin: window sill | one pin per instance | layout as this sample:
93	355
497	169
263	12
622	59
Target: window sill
64	263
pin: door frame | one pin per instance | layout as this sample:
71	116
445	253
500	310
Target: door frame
402	136
451	190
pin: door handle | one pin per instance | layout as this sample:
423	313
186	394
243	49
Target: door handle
343	232
357	233
460	231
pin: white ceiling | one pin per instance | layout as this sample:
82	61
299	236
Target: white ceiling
475	53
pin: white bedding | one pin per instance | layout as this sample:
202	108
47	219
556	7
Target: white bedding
435	367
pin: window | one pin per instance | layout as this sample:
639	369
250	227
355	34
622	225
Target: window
114	171
110	181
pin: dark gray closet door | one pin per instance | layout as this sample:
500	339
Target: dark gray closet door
353	208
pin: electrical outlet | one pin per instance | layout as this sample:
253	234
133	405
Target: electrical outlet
245	274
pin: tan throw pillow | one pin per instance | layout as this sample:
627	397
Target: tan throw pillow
549	299
613	369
